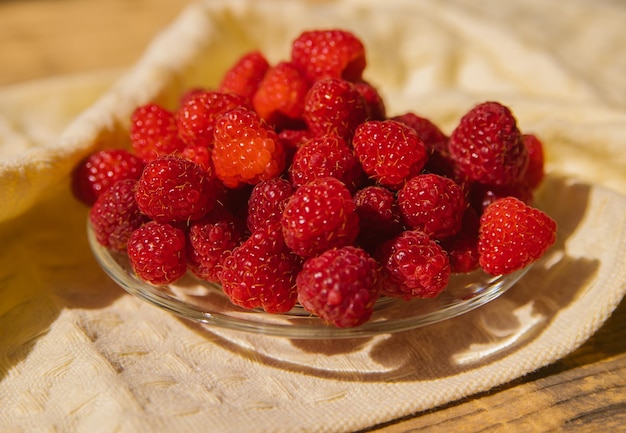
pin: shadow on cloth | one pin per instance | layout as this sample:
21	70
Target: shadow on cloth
45	266
482	336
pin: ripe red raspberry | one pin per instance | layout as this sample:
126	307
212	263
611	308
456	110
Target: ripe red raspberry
157	253
373	99
320	215
433	204
513	235
246	150
100	170
174	189
462	248
153	132
390	152
279	99
379	216
115	215
200	110
535	170
415	266
334	106
487	145
267	202
430	134
211	239
245	75
324	156
340	286
329	53
201	155
261	272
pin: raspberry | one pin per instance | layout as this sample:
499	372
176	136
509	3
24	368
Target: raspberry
153	132
201	155
433	204
246	150
115	215
462	248
100	170
267	202
415	266
280	97
535	170
487	146
430	134
390	152
480	195
261	272
375	104
340	286
320	215
174	189
324	156
379	216
211	239
334	106
513	235
244	77
329	53
199	112
157	253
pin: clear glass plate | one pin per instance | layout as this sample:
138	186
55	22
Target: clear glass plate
203	302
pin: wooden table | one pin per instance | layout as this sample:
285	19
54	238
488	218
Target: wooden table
585	391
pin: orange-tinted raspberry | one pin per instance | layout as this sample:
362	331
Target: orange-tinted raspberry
246	150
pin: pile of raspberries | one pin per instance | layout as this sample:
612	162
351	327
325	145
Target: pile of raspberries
289	183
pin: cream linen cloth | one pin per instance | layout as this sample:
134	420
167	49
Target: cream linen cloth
77	354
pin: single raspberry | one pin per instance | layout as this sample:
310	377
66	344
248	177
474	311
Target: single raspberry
487	145
246	149
157	253
324	156
200	110
261	272
201	155
340	286
481	195
329	53
462	248
100	170
334	106
430	134
153	132
245	75
267	202
390	152
373	99
513	235
174	189
535	170
211	239
115	215
415	266
433	204
320	215
379	216
279	99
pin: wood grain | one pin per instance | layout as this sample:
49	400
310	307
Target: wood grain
584	392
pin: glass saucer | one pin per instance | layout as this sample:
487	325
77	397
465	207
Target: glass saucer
203	302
